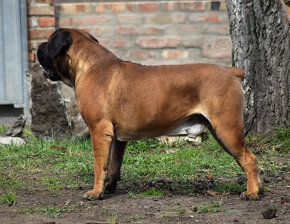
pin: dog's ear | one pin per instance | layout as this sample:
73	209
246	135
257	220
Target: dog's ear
59	44
93	38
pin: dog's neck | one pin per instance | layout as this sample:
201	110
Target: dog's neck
85	63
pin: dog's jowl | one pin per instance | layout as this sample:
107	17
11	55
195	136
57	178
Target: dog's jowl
122	101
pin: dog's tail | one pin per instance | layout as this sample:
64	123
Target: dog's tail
239	73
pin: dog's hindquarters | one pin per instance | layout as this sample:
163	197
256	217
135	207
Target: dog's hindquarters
228	130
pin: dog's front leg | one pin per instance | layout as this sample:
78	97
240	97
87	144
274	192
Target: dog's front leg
115	163
101	136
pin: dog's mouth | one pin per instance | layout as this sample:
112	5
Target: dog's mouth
47	73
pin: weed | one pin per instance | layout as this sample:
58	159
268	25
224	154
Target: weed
210	207
105	212
152	192
52	183
9	197
229	187
49	211
112	219
3	128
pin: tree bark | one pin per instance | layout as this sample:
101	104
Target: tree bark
260	35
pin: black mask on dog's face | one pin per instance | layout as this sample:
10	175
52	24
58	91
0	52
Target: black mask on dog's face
52	55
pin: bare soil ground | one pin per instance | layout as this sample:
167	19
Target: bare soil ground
123	207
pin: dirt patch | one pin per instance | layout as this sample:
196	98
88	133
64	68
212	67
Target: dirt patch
66	206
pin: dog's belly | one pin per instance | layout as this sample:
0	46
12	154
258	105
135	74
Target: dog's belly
191	126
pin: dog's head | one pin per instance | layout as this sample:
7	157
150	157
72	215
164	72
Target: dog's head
53	55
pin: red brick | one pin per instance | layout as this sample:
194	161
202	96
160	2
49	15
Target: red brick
31	57
29	23
63	22
192	41
166	18
140	54
131	6
30	46
46	21
217	29
174	54
40	11
212	18
99	8
118	7
68	9
172	6
39	33
118	44
127	30
130	19
194	6
102	31
92	20
148	30
184	30
155	42
204	18
80	8
185	6
220	47
149	7
132	30
44	1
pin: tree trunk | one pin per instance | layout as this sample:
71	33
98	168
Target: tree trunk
260	36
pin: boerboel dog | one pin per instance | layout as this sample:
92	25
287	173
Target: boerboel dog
121	101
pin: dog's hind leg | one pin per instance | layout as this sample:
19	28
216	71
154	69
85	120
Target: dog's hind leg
115	163
230	135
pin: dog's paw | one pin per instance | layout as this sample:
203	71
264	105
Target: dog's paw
111	187
93	195
246	196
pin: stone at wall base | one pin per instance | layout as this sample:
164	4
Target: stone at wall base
47	107
6	140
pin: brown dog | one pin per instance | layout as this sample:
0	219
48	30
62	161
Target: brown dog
122	101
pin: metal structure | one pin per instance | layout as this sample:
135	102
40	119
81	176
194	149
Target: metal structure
13	53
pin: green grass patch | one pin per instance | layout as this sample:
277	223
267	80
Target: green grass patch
153	162
229	187
152	192
210	207
51	183
50	211
9	197
54	165
3	128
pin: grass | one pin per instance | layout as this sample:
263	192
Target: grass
50	211
49	166
210	207
152	192
9	197
3	128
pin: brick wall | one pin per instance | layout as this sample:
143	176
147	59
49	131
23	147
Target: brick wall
156	32
40	22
